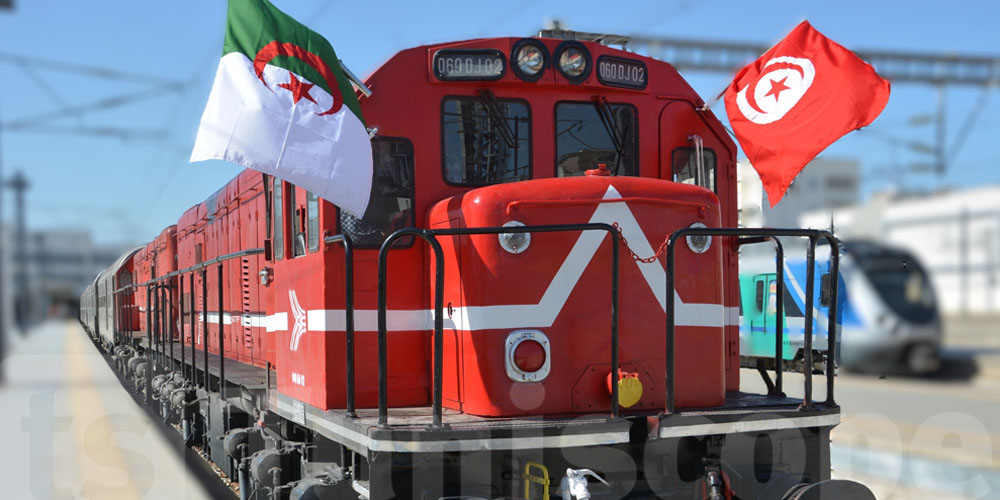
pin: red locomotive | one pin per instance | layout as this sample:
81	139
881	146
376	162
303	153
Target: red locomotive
496	325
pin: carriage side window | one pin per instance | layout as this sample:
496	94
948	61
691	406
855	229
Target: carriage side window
278	232
390	206
312	221
485	140
789	306
591	133
298	236
685	167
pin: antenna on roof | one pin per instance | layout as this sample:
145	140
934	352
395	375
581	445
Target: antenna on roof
554	29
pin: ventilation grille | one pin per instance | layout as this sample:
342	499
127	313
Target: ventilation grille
247	277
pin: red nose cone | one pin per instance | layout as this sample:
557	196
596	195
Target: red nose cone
529	356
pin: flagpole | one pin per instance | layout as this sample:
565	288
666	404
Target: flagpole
355	80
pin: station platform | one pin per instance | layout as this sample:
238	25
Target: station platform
70	430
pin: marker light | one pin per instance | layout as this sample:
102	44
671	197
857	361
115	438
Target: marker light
574	61
514	242
699	243
527	356
529	59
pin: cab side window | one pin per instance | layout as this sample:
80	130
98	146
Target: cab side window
298	233
390	206
312	221
686	167
278	232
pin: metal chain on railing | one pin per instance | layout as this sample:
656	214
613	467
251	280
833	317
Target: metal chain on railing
635	257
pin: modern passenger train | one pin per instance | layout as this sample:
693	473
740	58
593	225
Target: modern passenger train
541	300
888	318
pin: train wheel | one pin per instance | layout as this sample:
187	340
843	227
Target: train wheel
922	358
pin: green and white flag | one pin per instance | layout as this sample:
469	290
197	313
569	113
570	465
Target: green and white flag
281	104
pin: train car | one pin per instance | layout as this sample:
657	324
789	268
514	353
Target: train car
759	308
888	317
891	316
541	291
105	310
88	307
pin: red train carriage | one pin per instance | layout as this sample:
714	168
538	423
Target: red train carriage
498	319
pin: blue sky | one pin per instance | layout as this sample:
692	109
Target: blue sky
127	190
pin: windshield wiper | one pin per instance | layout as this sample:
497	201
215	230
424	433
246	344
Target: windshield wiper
608	120
497	117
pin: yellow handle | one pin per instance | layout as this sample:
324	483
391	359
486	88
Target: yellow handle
543	480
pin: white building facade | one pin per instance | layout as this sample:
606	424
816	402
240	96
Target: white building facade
955	234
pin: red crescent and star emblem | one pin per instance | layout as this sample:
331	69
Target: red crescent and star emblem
777	86
298	88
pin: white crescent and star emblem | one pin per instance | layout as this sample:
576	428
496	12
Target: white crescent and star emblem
299	317
781	84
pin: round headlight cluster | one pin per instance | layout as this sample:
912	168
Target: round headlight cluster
573	61
514	242
699	243
529	59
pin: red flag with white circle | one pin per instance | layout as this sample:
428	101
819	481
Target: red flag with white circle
797	99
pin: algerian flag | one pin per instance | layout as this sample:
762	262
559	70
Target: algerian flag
281	104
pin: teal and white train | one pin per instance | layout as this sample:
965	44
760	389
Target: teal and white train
888	318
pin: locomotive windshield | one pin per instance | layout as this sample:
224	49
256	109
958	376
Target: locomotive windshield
589	133
486	140
899	279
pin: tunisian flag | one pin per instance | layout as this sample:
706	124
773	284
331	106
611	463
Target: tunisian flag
797	99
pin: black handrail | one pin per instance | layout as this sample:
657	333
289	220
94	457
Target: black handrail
202	265
194	359
180	323
204	326
348	245
222	351
149	343
430	236
813	235
779	323
383	395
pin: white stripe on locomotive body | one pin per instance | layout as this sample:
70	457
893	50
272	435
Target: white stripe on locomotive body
253	320
751	424
544	313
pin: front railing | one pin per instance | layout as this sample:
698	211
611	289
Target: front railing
754	236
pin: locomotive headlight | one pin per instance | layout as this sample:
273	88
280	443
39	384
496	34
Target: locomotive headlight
699	243
529	59
574	61
514	242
